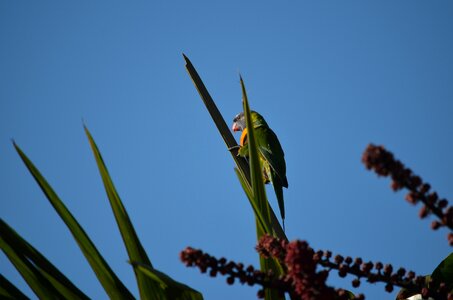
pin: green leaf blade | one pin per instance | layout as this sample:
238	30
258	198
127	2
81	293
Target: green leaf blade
9	291
39	285
148	289
256	177
32	257
173	290
108	279
444	273
259	198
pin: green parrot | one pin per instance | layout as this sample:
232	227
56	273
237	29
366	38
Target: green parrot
271	154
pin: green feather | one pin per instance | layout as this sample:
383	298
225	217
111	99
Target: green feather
272	158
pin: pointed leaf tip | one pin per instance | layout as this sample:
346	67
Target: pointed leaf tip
186	59
87	132
16	146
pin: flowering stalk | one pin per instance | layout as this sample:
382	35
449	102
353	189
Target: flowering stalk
234	271
307	286
383	163
307	272
300	257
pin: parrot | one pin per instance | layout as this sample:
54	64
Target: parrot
270	151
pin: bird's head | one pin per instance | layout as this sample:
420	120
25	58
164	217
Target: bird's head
239	121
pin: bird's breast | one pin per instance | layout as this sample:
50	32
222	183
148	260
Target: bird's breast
243	139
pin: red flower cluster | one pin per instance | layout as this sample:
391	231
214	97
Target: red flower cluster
302	263
306	272
234	271
383	163
301	280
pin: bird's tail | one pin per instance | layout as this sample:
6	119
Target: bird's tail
281	205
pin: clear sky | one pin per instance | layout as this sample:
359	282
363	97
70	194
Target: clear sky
328	76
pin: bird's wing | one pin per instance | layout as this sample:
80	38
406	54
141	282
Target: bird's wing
269	146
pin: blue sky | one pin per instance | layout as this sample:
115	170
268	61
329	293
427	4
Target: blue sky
328	76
